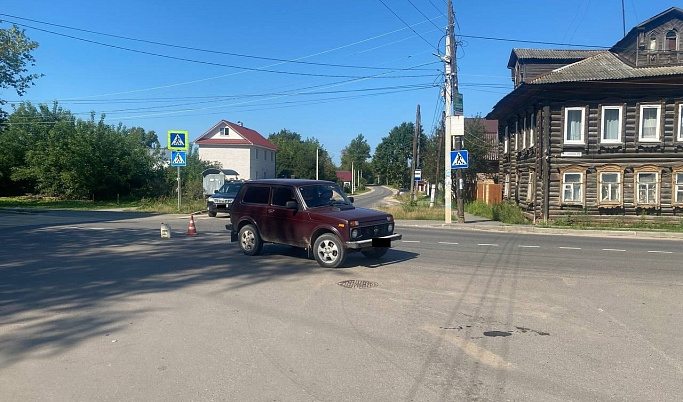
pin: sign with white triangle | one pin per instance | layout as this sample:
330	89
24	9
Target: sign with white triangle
178	158
459	159
177	140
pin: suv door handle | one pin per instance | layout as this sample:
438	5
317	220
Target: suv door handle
270	210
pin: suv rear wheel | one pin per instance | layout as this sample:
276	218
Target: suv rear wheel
329	251
250	240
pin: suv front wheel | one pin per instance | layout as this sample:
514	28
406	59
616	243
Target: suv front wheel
250	240
329	251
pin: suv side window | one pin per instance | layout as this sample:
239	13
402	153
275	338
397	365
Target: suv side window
281	195
256	195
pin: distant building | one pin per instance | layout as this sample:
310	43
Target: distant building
597	133
239	149
344	177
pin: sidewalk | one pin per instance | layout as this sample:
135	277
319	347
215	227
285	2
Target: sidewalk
473	222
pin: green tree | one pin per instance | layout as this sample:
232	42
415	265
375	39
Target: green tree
15	57
356	155
392	157
297	157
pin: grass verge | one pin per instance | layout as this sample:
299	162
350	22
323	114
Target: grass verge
161	205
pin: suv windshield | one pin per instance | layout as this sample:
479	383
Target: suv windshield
319	195
230	188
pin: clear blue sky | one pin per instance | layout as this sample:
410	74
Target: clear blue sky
362	66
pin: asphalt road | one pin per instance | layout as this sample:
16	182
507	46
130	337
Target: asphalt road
96	306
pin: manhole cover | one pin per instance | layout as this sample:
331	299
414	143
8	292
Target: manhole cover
358	284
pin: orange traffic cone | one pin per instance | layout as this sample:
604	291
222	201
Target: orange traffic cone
192	231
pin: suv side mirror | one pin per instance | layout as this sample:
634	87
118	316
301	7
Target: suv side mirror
351	199
292	205
215	191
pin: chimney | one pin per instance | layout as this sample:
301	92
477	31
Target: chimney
240	123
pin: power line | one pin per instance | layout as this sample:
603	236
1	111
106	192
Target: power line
421	13
192	48
406	24
263	70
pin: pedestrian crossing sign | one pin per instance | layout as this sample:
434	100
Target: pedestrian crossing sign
177	140
459	159
178	158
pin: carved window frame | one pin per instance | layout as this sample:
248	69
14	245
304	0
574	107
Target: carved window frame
636	186
581	170
676	185
610	169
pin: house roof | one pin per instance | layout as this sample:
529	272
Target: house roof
603	66
669	13
549	54
344	175
249	137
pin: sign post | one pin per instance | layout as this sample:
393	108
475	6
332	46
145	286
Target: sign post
178	143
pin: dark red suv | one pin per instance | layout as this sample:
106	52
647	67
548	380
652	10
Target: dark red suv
312	214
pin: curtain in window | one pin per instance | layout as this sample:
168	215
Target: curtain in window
573	125
611	124
649	129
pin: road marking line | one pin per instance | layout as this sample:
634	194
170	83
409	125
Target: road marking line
662	252
571	248
612	249
487	244
445	242
410	241
529	246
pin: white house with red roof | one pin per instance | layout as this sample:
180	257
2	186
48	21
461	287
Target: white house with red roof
238	148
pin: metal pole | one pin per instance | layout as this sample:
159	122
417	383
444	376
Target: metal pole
448	196
316	163
178	188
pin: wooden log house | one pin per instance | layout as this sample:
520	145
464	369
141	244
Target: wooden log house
597	133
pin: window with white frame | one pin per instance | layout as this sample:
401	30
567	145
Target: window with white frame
646	183
532	120
573	125
649	123
680	122
530	189
506	190
506	141
223	131
516	135
678	187
611	124
572	188
610	187
524	133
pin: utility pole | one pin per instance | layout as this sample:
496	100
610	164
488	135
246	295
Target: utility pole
414	161
454	124
316	163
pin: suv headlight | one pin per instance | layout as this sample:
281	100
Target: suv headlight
210	199
390	228
354	233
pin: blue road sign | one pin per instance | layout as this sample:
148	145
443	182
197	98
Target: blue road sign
460	159
178	158
177	140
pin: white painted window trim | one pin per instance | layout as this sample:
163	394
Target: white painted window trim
506	145
656	188
532	120
516	136
620	124
680	122
573	184
678	186
583	124
659	121
618	184
524	133
530	185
